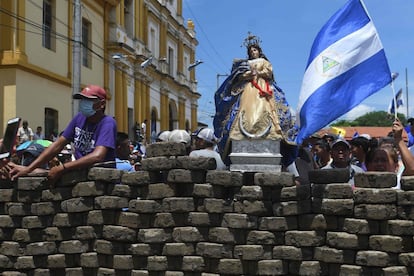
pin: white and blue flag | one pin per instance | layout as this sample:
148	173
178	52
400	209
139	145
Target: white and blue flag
400	102
347	64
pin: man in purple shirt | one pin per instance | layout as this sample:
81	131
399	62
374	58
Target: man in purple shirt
91	131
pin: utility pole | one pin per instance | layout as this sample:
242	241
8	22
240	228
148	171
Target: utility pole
76	53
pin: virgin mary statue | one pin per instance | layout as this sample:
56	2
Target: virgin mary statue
249	105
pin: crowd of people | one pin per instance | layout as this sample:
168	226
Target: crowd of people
360	154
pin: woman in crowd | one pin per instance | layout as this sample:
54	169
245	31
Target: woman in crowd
384	159
359	148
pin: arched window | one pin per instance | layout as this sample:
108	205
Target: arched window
173	116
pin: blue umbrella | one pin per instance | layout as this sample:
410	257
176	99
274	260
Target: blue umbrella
24	145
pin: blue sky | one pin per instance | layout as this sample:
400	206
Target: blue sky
287	29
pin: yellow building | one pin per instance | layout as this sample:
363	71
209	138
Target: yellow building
138	50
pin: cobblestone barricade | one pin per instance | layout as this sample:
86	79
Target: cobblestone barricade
181	217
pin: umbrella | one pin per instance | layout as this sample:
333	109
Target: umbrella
42	142
25	145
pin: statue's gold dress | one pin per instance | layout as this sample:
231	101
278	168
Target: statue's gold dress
257	110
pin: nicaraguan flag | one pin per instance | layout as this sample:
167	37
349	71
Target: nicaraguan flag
347	64
399	99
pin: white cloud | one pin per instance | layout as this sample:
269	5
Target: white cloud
358	111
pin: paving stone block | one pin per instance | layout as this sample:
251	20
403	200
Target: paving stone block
154	235
375	195
225	178
275	180
144	206
199	219
332	255
138	178
342	240
89	260
239	221
272	267
346	270
165	149
304	238
332	191
388	243
77	205
159	163
186	176
187	234
278	223
400	227
73	247
375	180
56	261
124	262
407	183
291	208
255	207
360	226
178	249
24	263
287	252
372	258
262	238
111	202
251	252
119	233
230	267
88	188
375	211
214	250
193	264
395	271
105	174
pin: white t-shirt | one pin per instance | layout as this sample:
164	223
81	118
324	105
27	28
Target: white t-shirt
24	134
209	153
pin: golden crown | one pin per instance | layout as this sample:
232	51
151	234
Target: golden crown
251	40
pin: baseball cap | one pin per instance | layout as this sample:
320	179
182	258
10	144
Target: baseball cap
207	134
410	121
163	136
179	136
91	92
340	141
67	149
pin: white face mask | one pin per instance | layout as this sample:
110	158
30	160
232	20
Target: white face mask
86	107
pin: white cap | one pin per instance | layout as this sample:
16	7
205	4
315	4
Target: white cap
367	136
163	135
207	134
179	136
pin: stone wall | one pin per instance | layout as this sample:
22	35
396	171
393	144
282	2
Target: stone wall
179	217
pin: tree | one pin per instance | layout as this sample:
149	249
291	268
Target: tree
375	118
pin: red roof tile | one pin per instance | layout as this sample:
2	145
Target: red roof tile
374	132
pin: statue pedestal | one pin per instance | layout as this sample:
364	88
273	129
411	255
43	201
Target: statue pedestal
258	155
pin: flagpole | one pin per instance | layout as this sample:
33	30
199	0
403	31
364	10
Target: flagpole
406	88
394	97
